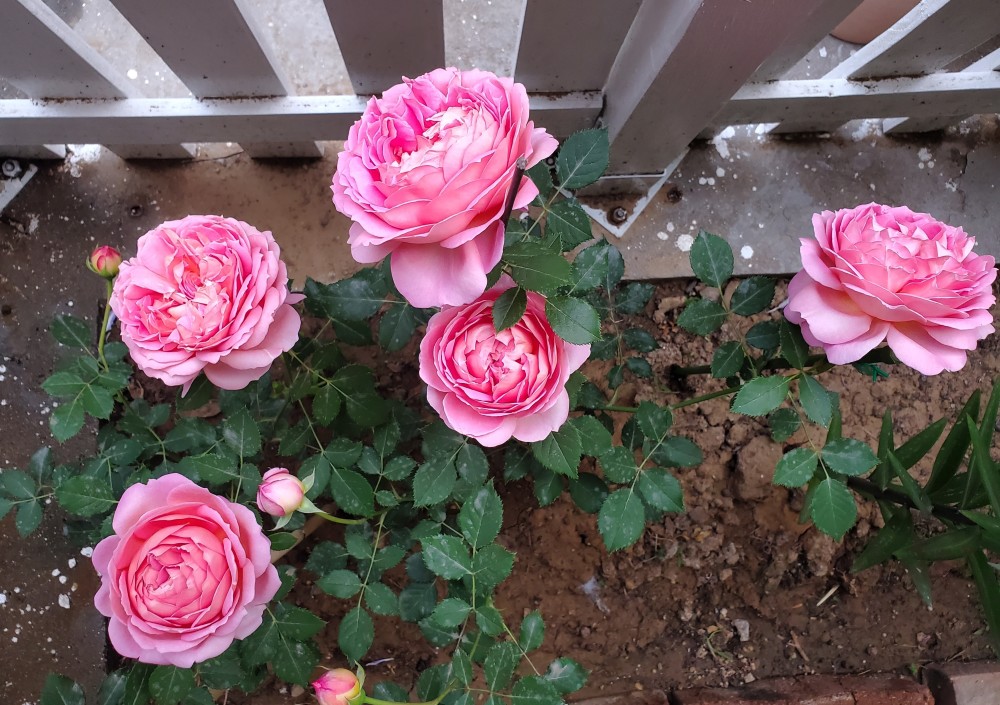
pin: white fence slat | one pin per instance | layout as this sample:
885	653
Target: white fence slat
990	62
839	99
810	31
570	45
284	119
384	40
680	63
218	51
927	38
45	58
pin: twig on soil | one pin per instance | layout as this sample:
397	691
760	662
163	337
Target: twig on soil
828	595
794	643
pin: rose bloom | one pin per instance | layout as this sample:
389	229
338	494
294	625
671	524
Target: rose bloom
490	385
280	492
205	293
185	573
877	273
337	687
425	176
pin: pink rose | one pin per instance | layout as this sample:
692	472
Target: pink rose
425	175
206	293
185	573
338	687
105	261
490	385
877	273
280	492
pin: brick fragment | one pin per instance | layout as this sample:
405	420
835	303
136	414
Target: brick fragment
964	683
815	690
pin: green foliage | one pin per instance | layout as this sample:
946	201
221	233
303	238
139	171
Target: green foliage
583	157
712	259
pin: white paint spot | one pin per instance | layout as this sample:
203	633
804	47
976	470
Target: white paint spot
746	252
662	235
64	601
3	598
55	572
702	181
132	74
62	579
684	242
822	52
924	154
71	562
670	227
86	551
951	186
720	172
719	141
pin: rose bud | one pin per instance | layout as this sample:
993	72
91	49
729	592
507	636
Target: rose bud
280	492
104	261
338	687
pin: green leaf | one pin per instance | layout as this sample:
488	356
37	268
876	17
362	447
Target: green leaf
397	326
570	223
340	583
573	319
169	685
356	634
499	665
17	484
325	406
541	177
60	690
29	516
661	490
911	452
536	269
793	346
702	317
381	599
761	395
566	675
712	259
240	432
639	367
949	457
509	308
832	508
434	481
619	465
346	301
417	601
796	467
588	491
639	340
752	296
958	542
351	491
481	517
728	360
910	486
600	265
294	661
816	401
447	557
492	565
764	336
72	332
535	690
654	420
621	519
224	671
85	496
532	632
633	297
784	423
213	468
982	466
892	538
595	439
297	623
548	486
989	593
451	612
137	685
112	690
849	457
560	451
582	159
66	421
677	452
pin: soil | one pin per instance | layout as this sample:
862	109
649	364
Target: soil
734	590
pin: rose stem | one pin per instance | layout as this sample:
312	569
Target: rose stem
109	283
875	356
515	183
859	484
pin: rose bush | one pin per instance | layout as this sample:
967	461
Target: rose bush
205	294
426	173
280	493
493	385
878	273
185	573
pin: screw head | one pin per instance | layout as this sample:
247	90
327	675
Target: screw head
11	168
135	211
618	215
674	194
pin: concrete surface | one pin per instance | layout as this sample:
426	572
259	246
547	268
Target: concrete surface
964	683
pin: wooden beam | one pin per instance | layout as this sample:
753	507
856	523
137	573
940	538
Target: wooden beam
811	31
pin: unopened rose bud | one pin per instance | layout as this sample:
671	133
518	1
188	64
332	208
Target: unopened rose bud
280	492
338	687
104	261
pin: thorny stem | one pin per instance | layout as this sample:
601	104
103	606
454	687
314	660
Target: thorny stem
339	520
859	484
109	283
515	183
435	701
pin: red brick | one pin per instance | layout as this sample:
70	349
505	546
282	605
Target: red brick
964	683
886	690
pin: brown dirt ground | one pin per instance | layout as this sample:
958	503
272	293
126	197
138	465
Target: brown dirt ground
663	613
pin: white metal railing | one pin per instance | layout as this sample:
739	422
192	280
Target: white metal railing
657	73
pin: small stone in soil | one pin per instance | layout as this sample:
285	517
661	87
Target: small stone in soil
742	627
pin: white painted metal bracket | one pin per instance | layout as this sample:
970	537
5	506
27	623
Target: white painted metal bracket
9	188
